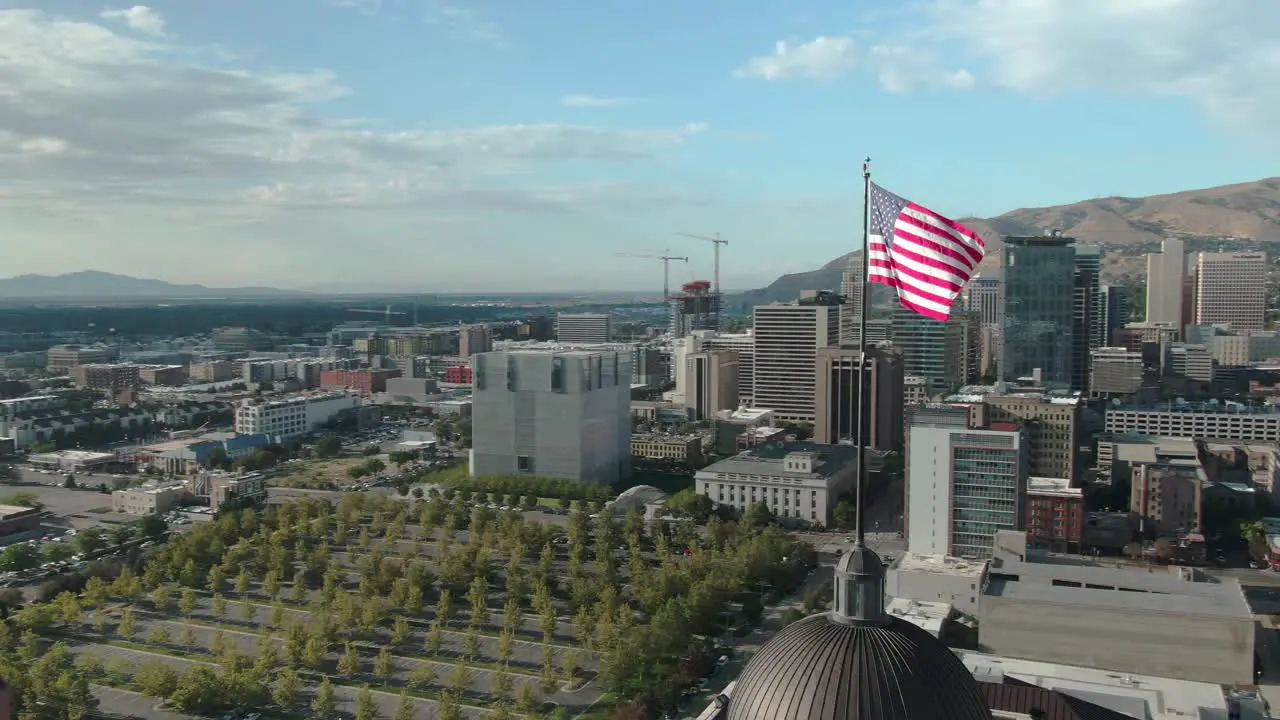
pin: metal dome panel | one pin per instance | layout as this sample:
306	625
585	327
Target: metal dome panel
821	669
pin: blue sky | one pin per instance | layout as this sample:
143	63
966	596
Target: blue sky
493	144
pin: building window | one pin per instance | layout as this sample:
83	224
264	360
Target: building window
523	463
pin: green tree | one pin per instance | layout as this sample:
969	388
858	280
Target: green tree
287	688
434	639
156	679
200	691
383	665
328	446
218	605
159	634
460	680
349	661
366	707
422	676
324	705
128	624
478	597
400	632
404	708
470	645
448	709
188	602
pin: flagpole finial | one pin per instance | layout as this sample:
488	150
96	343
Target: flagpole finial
866	168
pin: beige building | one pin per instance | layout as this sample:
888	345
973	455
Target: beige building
836	397
1115	371
62	358
787	339
795	482
1052	424
711	382
214	371
474	339
1230	288
1170	495
1165	272
667	447
108	378
148	500
249	488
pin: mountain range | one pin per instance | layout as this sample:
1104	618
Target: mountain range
1240	216
91	284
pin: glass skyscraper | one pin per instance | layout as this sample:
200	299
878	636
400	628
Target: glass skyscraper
1039	304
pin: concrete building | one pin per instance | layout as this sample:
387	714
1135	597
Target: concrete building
711	382
474	339
1230	289
290	417
982	295
787	339
744	344
242	490
14	407
241	339
148	500
1190	361
213	371
798	481
585	328
163	375
1119	620
553	414
1168	497
938	578
696	306
963	486
1117	372
1113	304
72	461
837	403
111	379
1220	422
1165	272
188	455
364	382
1051	421
650	367
681	448
61	358
1055	514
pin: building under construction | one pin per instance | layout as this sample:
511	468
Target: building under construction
695	307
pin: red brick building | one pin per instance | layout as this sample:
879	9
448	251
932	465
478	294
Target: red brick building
460	375
366	382
1055	514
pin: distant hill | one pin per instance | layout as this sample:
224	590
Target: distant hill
1240	216
91	284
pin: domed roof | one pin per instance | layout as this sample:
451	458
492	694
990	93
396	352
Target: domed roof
826	667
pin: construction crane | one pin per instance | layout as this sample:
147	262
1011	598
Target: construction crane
666	269
385	313
718	242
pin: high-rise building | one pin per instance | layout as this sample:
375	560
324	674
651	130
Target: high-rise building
1113	304
553	414
1086	314
945	353
649	367
963	486
1116	372
1190	361
787	338
695	307
474	339
851	286
1165	272
584	328
837	398
982	296
711	382
1230	288
744	344
1039	292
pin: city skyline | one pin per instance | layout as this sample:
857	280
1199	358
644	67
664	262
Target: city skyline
486	146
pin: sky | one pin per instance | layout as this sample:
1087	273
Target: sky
513	145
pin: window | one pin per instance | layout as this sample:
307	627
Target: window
524	464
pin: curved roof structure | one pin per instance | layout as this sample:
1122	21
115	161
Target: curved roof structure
637	496
826	668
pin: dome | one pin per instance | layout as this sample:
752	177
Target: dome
826	667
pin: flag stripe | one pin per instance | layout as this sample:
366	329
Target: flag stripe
925	256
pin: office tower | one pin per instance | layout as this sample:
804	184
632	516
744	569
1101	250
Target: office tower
649	367
553	414
1086	315
851	286
474	339
963	486
837	398
584	328
1165	272
745	345
1054	429
787	338
695	307
1230	288
1113	305
1190	361
711	382
1039	292
945	354
982	296
1118	372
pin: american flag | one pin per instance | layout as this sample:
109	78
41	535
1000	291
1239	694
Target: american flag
927	257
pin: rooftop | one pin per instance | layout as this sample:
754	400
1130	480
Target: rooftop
81	456
1123	588
940	565
156	489
766	459
1138	696
929	616
662	438
1211	406
10	510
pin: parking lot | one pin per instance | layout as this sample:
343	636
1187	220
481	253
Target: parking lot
130	704
76	508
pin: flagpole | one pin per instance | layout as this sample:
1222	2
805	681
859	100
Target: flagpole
864	302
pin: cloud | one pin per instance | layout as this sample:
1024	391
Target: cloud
1224	56
368	7
593	101
1221	56
898	67
139	18
465	22
99	127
